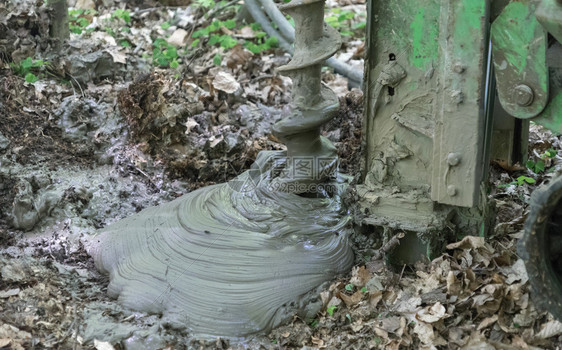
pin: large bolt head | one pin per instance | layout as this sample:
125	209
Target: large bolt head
453	159
523	95
452	190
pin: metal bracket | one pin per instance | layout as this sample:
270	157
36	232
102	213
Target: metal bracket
519	56
459	141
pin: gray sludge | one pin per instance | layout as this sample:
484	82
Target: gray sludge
227	260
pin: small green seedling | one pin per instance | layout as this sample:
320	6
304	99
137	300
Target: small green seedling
165	25
536	167
349	287
25	67
31	78
550	153
216	37
217	60
204	3
539	166
525	179
125	15
79	19
520	181
364	290
331	310
341	20
164	55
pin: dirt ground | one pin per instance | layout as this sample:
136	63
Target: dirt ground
105	132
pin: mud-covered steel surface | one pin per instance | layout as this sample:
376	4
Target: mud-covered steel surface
541	248
424	104
225	262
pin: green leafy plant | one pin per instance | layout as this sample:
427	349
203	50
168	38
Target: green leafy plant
349	287
25	67
525	179
125	15
31	78
165	25
109	31
164	54
204	3
263	43
217	60
79	19
341	19
364	290
550	153
539	165
330	310
226	41
520	181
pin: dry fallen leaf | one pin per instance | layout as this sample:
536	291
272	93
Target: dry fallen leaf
102	345
488	321
190	124
246	33
424	332
117	55
375	297
549	329
9	293
178	38
318	342
353	299
468	242
360	276
431	314
516	272
225	82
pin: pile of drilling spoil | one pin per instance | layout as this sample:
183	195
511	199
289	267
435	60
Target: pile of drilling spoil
228	260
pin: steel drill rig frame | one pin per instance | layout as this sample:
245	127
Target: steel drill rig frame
449	85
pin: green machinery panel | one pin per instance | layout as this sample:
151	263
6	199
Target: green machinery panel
425	132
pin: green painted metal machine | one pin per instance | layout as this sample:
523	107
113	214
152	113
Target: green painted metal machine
450	84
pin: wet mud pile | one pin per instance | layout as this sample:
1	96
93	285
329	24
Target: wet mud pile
225	262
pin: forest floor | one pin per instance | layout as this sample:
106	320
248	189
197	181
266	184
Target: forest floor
147	102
